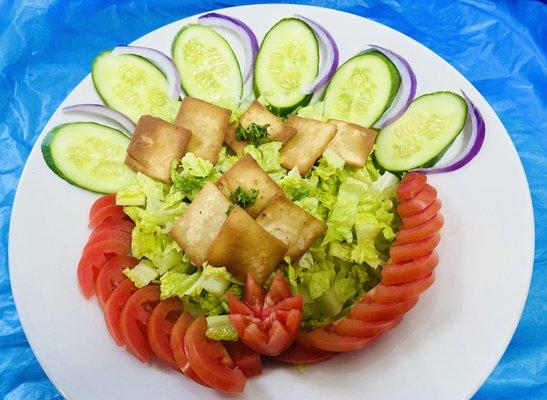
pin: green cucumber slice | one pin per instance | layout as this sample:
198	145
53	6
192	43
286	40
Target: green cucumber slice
133	86
288	59
362	89
208	66
422	134
88	155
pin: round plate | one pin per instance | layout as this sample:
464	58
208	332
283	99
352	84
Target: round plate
444	348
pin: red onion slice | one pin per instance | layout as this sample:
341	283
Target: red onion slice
103	111
243	32
405	93
329	56
161	61
474	124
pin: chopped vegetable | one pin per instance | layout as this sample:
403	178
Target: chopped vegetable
219	327
252	133
142	274
244	197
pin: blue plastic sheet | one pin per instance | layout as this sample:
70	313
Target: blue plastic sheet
46	48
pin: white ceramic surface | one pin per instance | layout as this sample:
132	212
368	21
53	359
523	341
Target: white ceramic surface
444	348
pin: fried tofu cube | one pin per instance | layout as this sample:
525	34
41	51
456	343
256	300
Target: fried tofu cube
247	174
199	226
243	246
278	131
291	224
207	123
352	142
154	145
307	145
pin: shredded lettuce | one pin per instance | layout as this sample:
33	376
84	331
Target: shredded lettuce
191	174
267	156
219	327
314	111
142	274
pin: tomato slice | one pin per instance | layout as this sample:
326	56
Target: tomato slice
419	203
396	274
374	312
364	329
322	339
100	203
114	306
420	232
111	275
254	295
278	291
93	259
396	293
400	253
107	214
134	321
247	360
177	346
423	216
411	184
160	324
99	235
121	225
205	361
298	354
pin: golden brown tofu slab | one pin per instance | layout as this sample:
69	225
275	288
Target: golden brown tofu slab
198	227
243	246
207	123
352	142
306	146
247	174
278	131
291	224
154	145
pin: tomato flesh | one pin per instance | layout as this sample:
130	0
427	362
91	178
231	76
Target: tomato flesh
411	184
98	235
395	293
400	253
374	312
424	216
322	339
419	203
396	274
247	360
364	329
111	275
100	203
420	232
160	324
114	306
110	213
298	354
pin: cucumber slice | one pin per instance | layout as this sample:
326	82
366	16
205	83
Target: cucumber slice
422	134
362	89
133	86
88	155
288	59
207	65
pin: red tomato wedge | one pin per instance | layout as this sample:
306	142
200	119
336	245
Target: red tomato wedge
177	346
107	234
420	232
208	361
364	329
374	312
92	261
111	275
400	253
100	203
267	323
411	184
396	274
160	324
298	354
321	338
419	203
247	360
134	321
121	225
114	306
421	217
396	293
107	214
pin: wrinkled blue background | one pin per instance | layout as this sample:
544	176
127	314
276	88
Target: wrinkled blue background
46	48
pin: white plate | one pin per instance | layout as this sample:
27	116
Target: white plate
444	348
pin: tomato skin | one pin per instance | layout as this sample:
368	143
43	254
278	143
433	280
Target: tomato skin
411	184
298	354
254	295
93	259
99	235
111	275
236	306
134	321
160	324
320	338
206	364
396	274
114	306
364	329
396	293
121	225
110	213
423	216
247	360
408	252
420	232
419	203
375	312
100	203
278	291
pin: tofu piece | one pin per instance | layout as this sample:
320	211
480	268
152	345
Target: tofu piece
249	175
207	123
154	145
278	131
198	227
352	142
243	246
306	146
291	224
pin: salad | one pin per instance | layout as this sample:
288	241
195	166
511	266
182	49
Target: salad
277	208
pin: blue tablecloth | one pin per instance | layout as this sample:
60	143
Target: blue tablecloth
46	48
